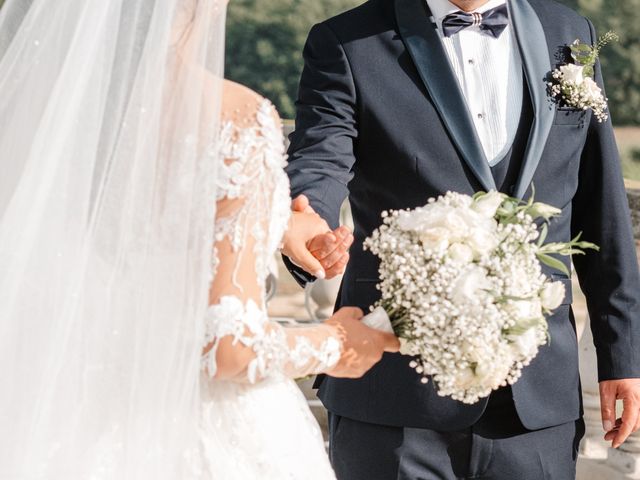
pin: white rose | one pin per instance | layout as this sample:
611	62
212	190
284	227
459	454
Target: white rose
487	205
461	253
572	73
593	90
455	223
552	295
482	241
435	238
469	285
410	221
525	310
525	345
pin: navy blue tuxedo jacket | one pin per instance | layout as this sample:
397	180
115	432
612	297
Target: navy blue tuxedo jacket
381	120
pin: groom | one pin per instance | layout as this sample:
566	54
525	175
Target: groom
403	100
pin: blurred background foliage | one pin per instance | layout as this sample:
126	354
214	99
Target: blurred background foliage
265	40
266	37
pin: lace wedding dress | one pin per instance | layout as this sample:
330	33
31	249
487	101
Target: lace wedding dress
257	425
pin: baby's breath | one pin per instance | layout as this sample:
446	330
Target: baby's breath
462	282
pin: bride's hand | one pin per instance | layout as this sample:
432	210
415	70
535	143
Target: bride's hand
310	243
362	347
304	227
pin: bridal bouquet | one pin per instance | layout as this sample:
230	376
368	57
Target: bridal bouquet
462	287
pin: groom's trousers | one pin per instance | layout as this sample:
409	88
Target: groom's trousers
497	447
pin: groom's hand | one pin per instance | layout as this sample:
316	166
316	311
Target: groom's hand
329	248
332	250
627	390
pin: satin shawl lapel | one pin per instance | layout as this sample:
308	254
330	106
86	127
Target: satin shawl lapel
427	52
537	65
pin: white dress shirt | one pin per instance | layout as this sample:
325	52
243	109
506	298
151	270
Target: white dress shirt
489	71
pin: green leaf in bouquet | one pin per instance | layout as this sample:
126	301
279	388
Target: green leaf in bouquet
588	71
577	243
478	195
587	246
554	263
544	231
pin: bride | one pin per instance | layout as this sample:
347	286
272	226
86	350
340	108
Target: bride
141	200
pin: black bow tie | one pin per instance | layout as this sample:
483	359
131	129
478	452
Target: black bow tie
492	21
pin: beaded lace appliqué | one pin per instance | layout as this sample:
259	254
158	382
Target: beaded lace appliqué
253	174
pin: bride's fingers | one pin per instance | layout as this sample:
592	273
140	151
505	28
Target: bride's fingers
301	204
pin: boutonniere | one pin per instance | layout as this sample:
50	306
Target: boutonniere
573	86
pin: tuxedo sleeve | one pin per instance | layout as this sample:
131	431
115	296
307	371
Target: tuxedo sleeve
610	278
321	153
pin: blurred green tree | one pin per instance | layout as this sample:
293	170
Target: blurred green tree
265	40
620	61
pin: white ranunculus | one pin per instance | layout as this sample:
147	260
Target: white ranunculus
526	344
552	295
572	73
487	205
461	253
469	285
593	90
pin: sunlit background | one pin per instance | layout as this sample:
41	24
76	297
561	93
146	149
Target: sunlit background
266	37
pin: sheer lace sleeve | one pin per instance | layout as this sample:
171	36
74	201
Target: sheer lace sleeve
253	205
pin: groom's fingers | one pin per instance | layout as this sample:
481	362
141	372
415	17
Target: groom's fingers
323	246
337	255
608	406
338	268
629	419
305	260
301	204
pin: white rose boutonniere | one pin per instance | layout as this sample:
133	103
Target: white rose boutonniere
572	85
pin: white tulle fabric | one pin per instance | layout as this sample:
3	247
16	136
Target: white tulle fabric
258	425
108	115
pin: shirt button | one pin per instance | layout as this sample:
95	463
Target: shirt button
471	61
481	116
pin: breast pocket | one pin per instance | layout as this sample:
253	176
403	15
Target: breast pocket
572	117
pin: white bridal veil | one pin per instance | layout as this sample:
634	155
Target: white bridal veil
108	115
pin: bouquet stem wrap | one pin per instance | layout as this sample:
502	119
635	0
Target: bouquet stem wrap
379	320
